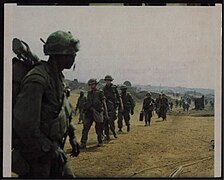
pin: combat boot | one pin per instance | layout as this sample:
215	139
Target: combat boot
100	144
82	146
128	128
115	135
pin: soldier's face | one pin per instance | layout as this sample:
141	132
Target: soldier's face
108	82
65	61
69	61
93	86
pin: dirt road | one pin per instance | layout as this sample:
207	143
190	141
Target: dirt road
152	151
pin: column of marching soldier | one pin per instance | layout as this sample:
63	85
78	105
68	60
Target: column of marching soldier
101	106
42	114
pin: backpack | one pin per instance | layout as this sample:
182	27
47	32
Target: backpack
21	65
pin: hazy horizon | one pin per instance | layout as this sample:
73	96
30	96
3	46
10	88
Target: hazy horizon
150	85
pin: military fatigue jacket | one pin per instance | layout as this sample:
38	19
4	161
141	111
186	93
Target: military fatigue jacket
128	101
148	104
164	102
81	102
95	100
111	93
158	102
37	105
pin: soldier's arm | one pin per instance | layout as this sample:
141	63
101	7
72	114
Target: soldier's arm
143	105
26	117
132	102
103	99
119	99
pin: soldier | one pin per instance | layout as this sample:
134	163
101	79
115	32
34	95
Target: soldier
164	105
40	113
113	99
157	104
129	105
181	103
95	109
80	105
176	105
171	105
148	106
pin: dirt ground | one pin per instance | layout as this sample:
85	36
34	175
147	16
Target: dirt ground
152	151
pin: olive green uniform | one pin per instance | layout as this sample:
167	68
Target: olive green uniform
93	112
112	99
36	120
157	106
148	106
80	105
129	105
164	106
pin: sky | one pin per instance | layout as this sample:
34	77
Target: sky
167	46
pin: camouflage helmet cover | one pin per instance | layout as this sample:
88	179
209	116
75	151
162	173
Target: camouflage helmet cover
123	87
148	94
61	43
92	81
108	77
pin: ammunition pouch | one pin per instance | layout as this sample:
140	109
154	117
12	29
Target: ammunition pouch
97	116
19	164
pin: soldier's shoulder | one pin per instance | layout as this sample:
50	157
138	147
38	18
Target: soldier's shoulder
114	86
38	73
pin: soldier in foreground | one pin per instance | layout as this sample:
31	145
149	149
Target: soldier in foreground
95	110
148	106
41	114
164	106
113	99
80	105
129	105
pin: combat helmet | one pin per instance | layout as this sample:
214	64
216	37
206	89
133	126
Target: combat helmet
123	87
148	94
92	81
108	77
61	43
